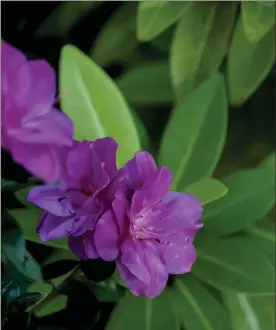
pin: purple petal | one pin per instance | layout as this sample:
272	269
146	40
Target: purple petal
51	199
89	244
178	258
106	237
120	208
76	244
153	190
52	227
139	168
106	149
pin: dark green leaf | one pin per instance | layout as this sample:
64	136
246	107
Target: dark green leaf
258	18
117	39
200	43
148	83
95	104
143	313
248	63
196	307
155	17
185	148
234	264
251	193
107	291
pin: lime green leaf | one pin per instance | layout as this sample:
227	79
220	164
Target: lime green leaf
248	64
155	17
207	190
95	104
142	132
234	264
41	287
185	148
148	83
200	43
60	22
258	18
143	313
117	39
54	305
28	219
251	193
196	307
250	313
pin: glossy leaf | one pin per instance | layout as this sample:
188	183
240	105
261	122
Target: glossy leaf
207	190
251	193
258	18
250	313
143	313
248	63
148	83
64	17
28	219
95	104
196	307
185	149
234	264
55	305
200	43
155	17
117	39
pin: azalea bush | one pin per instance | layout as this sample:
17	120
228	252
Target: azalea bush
130	196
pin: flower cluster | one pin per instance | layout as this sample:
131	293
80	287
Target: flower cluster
127	214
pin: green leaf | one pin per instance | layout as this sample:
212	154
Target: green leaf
22	195
185	148
28	219
250	313
143	313
41	287
200	43
60	254
234	264
117	39
207	190
251	193
248	64
163	41
258	18
9	185
155	17
142	132
107	291
269	162
148	83
66	15
95	104
196	307
55	305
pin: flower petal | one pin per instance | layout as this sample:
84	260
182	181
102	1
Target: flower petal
120	208
89	244
76	244
51	199
52	227
106	237
178	258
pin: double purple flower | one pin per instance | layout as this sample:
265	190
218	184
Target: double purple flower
32	130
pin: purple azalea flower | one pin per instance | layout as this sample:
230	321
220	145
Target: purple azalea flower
33	131
73	207
151	235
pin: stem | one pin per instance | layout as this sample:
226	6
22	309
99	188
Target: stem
46	299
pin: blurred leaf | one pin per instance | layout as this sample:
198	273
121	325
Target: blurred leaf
64	17
148	83
250	313
248	64
42	287
155	17
28	219
251	193
163	41
9	185
143	313
27	266
234	264
196	307
142	132
95	104
207	190
269	161
258	18
117	39
9	292
55	305
185	149
200	43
